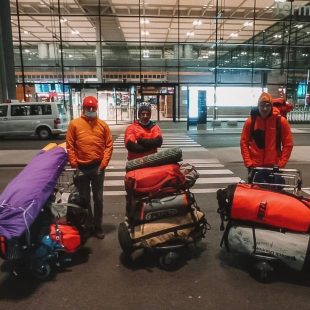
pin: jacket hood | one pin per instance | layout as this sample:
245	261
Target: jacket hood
255	112
148	126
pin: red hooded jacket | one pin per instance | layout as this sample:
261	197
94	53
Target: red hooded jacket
142	140
259	148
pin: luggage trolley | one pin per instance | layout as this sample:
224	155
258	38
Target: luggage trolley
277	179
35	250
289	180
169	253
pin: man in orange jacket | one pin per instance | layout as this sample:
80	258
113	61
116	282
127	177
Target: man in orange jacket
90	145
266	139
143	137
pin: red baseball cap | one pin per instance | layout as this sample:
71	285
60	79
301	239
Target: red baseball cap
90	102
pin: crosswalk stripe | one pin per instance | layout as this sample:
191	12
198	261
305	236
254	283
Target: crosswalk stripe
201	172
211	171
193	190
199	181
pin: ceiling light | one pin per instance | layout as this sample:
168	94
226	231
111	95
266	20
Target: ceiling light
63	20
234	34
197	22
146	53
190	33
275	54
244	53
261	58
235	57
26	51
145	33
205	56
299	26
279	0
75	32
144	21
26	32
277	36
248	24
70	56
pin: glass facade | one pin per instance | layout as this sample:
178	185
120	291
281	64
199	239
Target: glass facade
162	52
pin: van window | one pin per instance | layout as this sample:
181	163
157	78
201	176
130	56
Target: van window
18	110
3	110
33	109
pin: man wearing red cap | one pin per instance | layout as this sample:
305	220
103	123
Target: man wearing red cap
143	137
266	139
90	145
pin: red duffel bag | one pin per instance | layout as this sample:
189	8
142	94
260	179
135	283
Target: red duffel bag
277	209
152	180
68	236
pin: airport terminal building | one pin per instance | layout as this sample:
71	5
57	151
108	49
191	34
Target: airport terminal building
185	57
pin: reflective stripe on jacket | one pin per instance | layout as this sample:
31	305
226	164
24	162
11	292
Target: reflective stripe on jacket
136	131
89	141
255	156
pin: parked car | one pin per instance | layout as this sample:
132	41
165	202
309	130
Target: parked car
45	120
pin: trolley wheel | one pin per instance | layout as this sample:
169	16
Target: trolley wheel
41	270
168	261
263	271
124	239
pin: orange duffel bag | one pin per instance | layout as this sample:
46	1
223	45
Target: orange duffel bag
245	202
153	180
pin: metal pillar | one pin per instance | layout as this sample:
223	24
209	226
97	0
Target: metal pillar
98	51
7	71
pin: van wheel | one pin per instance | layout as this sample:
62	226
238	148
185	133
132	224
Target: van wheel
44	133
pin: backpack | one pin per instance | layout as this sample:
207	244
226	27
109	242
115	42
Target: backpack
278	131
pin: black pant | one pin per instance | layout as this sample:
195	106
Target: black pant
85	181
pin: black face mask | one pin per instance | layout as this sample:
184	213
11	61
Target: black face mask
259	138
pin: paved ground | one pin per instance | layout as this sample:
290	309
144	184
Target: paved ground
209	278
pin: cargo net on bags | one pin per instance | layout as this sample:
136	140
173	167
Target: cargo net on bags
159	205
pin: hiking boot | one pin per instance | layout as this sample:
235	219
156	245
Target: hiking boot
99	233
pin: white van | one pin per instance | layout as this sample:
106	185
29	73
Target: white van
42	119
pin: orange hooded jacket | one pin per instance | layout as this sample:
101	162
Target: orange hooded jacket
259	149
89	141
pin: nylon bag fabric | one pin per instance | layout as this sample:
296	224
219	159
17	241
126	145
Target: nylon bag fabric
267	207
186	228
69	237
23	198
152	180
169	156
290	248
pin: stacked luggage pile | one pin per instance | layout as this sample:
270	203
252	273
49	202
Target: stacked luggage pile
38	230
161	212
268	222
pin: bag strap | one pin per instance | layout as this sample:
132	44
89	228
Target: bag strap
253	120
278	134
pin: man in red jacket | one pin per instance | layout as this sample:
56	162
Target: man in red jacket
143	137
266	139
283	106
